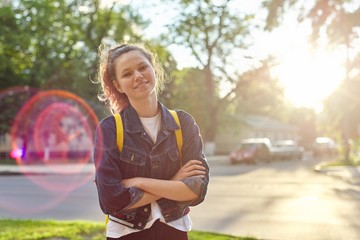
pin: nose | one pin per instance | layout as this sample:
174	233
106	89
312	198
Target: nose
138	75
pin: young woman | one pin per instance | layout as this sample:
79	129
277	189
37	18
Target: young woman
146	189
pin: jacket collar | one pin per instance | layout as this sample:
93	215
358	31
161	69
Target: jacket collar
132	122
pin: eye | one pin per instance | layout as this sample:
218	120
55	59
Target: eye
125	75
143	67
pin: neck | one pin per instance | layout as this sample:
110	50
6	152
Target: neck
146	108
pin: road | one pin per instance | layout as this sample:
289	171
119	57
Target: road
278	201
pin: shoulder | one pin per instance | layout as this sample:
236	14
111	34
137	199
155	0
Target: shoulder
189	127
185	117
107	124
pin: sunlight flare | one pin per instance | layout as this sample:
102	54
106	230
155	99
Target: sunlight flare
309	77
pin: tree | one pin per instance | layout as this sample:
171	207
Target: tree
189	88
260	94
213	33
339	21
52	44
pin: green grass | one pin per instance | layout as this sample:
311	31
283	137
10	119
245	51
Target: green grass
75	230
47	229
7	161
340	162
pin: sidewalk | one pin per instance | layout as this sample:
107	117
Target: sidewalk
87	168
347	173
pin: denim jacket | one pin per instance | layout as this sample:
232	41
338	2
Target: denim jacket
140	157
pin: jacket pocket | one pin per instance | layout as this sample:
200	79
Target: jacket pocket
174	162
132	163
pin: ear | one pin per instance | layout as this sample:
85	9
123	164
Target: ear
117	86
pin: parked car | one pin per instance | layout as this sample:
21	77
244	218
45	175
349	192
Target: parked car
252	150
325	146
287	149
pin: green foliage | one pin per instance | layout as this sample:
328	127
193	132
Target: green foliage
211	32
53	44
189	94
259	93
276	9
342	108
11	101
338	18
168	64
338	21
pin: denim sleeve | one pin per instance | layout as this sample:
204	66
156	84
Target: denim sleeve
193	149
113	196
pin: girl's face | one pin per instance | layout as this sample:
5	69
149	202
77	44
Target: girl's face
135	76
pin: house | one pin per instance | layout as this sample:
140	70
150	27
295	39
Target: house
253	126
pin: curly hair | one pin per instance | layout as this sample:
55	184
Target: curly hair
113	99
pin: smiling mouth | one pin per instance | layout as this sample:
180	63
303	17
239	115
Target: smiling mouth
141	84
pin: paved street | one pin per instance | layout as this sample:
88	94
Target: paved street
277	201
282	200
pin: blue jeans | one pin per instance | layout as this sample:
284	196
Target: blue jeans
158	231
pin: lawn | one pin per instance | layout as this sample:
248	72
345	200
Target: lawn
75	230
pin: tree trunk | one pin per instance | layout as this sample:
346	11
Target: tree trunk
210	131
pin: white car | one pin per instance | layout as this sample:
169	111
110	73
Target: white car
287	149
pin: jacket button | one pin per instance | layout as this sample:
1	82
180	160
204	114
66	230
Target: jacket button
139	224
146	209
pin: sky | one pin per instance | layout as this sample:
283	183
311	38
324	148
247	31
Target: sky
307	74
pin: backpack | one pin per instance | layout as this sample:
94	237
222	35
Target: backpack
120	138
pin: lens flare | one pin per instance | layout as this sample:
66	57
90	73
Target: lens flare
53	132
17	153
54	126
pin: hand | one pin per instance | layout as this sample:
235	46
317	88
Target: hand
191	168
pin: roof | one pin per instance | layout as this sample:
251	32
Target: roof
262	122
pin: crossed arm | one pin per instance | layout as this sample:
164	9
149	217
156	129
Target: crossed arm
173	189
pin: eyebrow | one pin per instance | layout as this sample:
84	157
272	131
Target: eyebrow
141	63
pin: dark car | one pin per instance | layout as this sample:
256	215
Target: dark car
251	151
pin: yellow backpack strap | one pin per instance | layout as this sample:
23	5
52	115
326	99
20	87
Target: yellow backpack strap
119	132
178	134
119	142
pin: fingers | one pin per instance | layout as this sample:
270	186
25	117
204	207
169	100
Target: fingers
195	168
199	173
190	169
192	162
194	165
